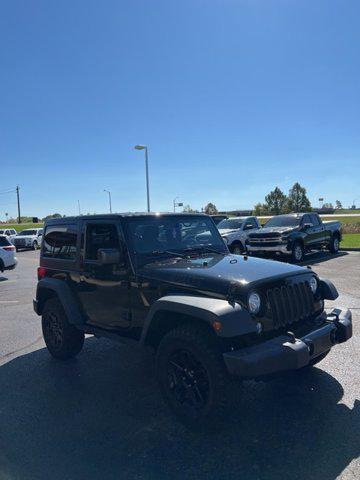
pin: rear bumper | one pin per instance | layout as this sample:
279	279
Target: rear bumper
285	353
281	248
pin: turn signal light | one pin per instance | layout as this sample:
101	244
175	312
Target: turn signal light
217	326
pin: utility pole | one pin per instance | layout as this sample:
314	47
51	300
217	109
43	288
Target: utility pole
79	207
18	203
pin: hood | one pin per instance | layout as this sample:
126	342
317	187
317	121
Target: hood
216	273
226	231
281	230
25	236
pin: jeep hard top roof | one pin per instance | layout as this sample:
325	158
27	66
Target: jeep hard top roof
116	216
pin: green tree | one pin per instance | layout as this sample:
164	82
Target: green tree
276	201
188	209
338	204
297	199
210	209
260	209
53	215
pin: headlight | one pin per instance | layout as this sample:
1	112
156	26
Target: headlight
254	303
313	284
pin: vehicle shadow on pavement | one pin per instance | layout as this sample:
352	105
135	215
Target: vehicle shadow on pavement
101	417
320	257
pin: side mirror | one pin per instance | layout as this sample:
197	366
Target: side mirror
108	256
306	226
248	227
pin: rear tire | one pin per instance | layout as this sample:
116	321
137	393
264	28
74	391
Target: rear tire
62	339
35	245
334	244
191	373
297	253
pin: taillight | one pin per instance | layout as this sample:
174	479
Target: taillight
9	247
41	272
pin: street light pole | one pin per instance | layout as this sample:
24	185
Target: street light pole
18	203
174	202
144	147
109	193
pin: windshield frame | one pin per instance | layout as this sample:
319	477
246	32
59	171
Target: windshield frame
22	233
140	259
296	221
239	221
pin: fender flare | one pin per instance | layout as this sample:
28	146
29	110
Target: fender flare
65	296
235	320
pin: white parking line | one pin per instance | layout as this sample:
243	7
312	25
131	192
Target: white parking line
9	301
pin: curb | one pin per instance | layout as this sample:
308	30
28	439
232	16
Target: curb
350	249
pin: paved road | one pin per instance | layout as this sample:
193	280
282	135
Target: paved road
101	415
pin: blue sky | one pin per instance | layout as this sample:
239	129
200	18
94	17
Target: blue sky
233	98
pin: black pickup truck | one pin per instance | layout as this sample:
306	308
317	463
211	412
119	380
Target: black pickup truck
295	235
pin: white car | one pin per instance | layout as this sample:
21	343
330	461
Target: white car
10	233
235	231
8	260
30	238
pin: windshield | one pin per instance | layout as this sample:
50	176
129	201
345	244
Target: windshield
230	223
149	238
283	221
27	232
2	232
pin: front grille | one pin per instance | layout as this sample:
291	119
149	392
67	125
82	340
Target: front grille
264	241
254	236
289	304
19	241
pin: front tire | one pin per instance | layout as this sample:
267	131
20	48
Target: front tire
298	253
237	249
62	339
35	245
191	373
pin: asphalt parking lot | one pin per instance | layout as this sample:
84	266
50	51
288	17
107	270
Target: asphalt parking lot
101	416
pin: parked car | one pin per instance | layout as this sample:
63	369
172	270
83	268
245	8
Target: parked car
218	217
8	260
30	238
209	315
235	231
10	233
295	235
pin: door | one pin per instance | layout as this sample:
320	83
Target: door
103	289
318	229
311	233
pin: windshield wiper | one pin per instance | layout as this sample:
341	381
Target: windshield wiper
168	252
203	248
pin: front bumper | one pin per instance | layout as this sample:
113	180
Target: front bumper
281	248
289	353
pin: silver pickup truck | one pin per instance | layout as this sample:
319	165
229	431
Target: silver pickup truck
30	238
235	232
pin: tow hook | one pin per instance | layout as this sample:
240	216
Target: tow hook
292	337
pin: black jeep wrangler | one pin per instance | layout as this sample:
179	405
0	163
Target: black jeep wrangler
169	281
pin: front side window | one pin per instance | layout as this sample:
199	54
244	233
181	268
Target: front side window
60	242
314	220
149	238
100	235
